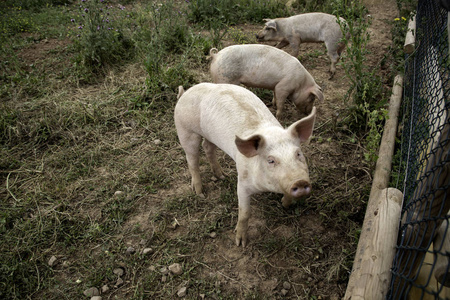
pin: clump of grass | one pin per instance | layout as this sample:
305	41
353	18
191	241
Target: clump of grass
231	12
365	89
99	39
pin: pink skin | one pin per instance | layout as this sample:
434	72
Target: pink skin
263	66
268	157
306	28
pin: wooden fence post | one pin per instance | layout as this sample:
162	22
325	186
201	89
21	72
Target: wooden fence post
371	275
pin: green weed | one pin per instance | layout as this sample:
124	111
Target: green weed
231	12
98	34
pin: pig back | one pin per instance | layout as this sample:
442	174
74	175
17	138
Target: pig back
220	112
254	65
314	27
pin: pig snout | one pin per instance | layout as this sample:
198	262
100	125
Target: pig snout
300	188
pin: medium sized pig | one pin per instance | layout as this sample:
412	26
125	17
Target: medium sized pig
263	66
306	28
268	157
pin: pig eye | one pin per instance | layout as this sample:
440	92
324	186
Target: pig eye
300	156
271	160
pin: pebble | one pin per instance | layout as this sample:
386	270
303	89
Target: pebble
93	291
52	261
213	234
96	298
284	292
118	193
131	250
286	285
119	282
175	224
119	271
176	268
152	268
157	141
147	251
164	271
182	292
164	278
105	288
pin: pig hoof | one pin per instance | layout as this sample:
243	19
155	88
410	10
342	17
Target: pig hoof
241	241
215	177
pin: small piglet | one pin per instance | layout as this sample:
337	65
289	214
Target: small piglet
266	67
306	28
268	157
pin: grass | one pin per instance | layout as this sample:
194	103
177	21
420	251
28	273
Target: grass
75	129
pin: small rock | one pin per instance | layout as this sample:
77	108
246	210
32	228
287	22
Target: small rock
93	291
164	278
176	269
284	292
213	235
119	271
118	193
52	261
105	288
182	292
142	242
157	141
96	298
175	224
202	296
152	268
164	271
131	250
286	285
147	251
119	282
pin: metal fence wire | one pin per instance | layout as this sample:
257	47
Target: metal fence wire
422	261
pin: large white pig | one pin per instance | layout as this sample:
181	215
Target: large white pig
306	28
268	157
263	66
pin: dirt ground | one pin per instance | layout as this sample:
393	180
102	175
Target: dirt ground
301	253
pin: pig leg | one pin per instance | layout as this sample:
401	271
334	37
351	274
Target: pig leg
243	216
334	57
191	145
282	44
210	151
279	97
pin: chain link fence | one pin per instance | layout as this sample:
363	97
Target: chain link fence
421	267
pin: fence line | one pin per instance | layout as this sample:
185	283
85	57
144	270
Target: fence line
423	246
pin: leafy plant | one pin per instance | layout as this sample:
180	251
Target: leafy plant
100	40
211	12
365	84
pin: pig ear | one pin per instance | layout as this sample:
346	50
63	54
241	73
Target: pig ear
249	147
271	24
303	129
318	93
